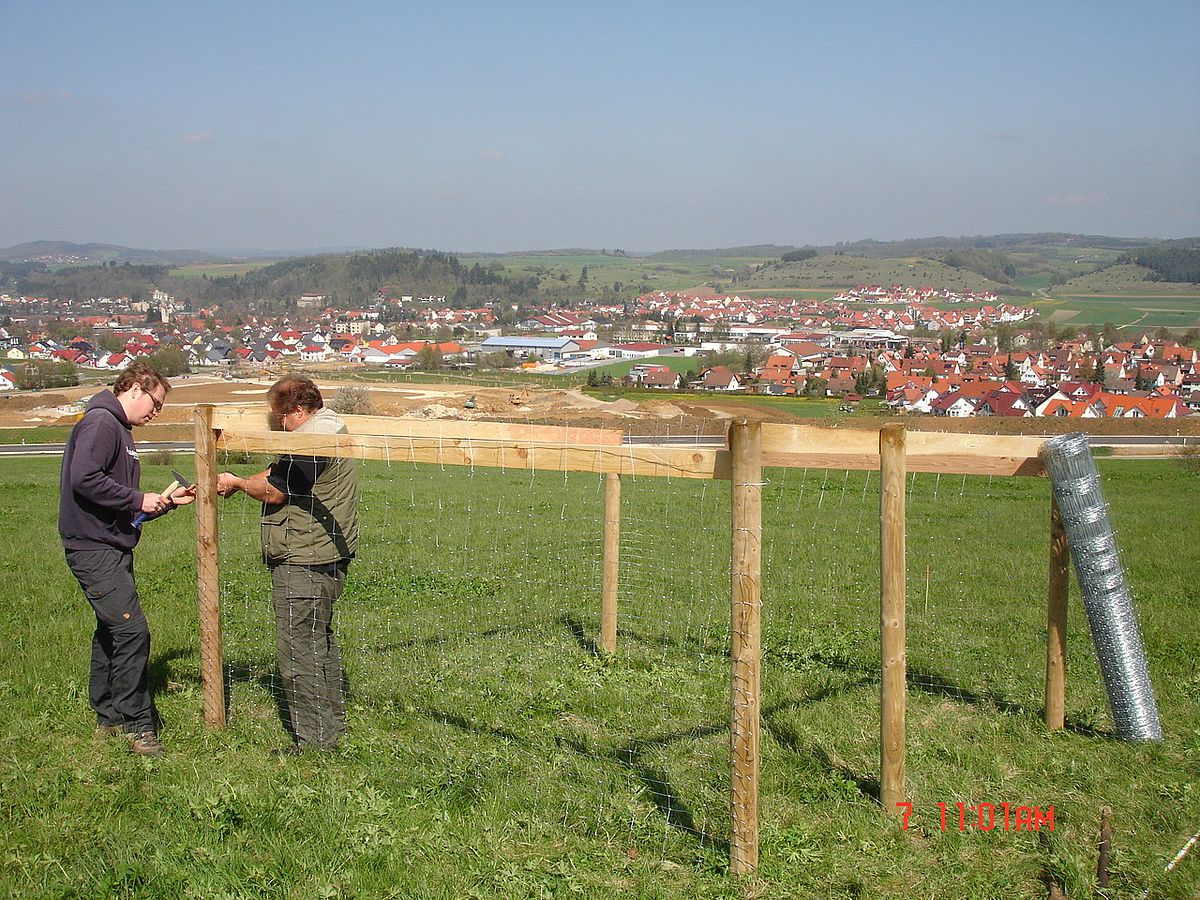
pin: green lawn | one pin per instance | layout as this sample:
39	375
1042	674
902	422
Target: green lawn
494	753
42	434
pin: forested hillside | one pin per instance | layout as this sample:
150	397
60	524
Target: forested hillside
1170	260
344	280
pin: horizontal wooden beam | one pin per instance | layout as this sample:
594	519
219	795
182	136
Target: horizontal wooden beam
257	417
567	448
808	446
661	461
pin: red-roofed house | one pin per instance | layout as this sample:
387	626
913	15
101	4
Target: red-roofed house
718	378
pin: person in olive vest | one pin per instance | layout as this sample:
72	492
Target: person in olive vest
309	531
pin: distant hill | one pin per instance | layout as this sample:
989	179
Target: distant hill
841	270
756	251
1013	264
1003	243
1126	278
345	280
65	253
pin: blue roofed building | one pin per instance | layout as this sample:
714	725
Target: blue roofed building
553	349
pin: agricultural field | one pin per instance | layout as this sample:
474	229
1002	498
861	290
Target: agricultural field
1135	313
220	270
494	752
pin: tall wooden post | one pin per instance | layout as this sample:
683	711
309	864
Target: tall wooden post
1056	621
892	587
612	557
208	579
745	445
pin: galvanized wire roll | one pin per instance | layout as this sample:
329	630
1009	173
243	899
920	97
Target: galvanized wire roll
1106	598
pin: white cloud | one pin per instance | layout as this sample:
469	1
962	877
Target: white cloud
46	98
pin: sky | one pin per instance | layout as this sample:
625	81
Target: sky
640	126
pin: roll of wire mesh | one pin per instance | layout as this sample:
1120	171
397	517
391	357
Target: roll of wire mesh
1106	599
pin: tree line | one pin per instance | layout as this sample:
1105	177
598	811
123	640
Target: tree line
345	280
1170	261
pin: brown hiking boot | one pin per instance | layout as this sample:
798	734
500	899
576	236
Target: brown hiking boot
109	730
147	744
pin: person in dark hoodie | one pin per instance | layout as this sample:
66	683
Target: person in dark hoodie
99	498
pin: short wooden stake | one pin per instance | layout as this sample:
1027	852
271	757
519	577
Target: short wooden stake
208	576
1056	622
745	445
892	587
1105	847
612	557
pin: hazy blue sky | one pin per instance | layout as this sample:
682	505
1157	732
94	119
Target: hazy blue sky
489	126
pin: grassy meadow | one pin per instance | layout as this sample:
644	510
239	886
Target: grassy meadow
493	752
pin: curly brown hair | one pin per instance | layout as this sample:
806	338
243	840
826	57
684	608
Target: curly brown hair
291	391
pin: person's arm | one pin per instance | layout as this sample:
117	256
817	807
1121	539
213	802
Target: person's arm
256	486
289	476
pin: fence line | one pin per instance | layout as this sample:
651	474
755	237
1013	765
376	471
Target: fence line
892	450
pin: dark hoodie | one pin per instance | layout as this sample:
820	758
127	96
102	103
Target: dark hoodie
98	493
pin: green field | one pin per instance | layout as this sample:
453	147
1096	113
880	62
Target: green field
1135	312
220	270
494	753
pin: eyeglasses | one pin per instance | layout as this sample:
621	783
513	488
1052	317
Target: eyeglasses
158	404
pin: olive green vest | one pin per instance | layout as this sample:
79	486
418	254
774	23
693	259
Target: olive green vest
323	528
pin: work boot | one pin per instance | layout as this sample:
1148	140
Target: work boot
147	743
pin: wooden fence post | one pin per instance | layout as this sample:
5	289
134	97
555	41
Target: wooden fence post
892	588
745	445
1056	621
612	557
208	577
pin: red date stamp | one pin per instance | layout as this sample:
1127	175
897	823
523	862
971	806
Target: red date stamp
986	817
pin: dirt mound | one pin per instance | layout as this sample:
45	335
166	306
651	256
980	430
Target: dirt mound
23	402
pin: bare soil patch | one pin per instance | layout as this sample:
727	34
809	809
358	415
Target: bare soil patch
699	414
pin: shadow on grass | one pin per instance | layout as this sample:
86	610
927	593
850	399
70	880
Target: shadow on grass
690	644
464	724
439	640
672	808
160	668
668	803
264	673
158	677
573	624
788	738
631	757
938	685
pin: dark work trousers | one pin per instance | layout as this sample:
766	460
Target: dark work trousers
118	687
310	665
